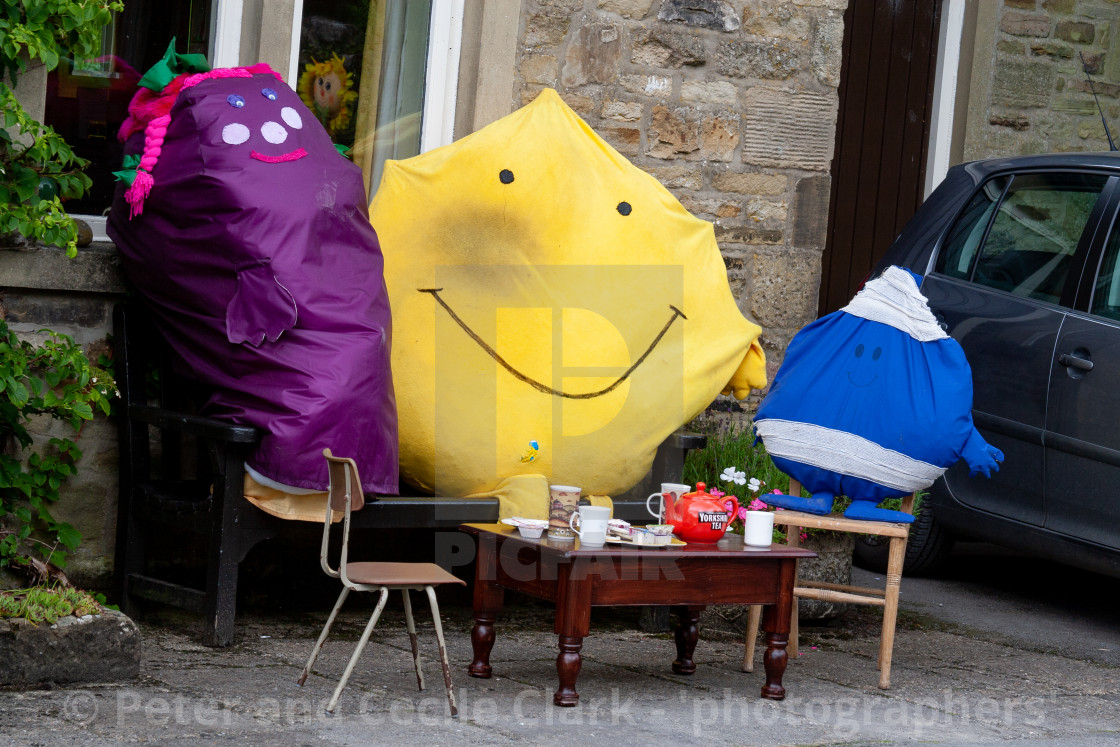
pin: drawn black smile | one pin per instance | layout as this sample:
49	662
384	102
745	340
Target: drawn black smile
853	382
533	382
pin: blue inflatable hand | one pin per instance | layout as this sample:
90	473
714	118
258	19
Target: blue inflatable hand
981	456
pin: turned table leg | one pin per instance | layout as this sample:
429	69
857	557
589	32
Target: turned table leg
775	662
482	640
568	664
776	621
488	599
688	632
573	623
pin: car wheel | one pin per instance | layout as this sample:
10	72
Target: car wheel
927	549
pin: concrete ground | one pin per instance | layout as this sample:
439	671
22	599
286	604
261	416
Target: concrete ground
954	681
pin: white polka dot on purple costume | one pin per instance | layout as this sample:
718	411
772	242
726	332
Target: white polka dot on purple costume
274	132
291	118
235	134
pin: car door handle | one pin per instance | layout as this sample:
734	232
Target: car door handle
1072	360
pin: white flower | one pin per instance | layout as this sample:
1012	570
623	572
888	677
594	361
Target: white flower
754	485
733	475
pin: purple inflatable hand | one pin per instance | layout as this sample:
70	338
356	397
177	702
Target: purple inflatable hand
261	307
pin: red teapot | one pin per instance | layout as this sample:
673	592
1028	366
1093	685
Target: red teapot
699	517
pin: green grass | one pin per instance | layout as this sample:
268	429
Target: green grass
735	448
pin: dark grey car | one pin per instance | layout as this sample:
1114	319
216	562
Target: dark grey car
1020	258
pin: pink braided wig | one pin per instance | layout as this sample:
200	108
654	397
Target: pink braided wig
150	111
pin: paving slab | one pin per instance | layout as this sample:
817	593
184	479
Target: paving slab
950	685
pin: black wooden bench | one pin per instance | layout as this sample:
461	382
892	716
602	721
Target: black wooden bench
182	470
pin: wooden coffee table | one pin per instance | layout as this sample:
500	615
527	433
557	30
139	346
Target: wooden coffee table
576	578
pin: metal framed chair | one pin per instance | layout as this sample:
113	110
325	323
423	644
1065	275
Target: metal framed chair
345	495
887	597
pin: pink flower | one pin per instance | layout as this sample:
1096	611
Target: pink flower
717	493
743	512
757	505
804	536
776	492
728	504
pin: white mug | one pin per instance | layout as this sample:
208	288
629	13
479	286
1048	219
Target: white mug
592	521
759	531
675	489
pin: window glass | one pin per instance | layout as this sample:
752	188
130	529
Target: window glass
87	100
1035	233
955	258
362	68
1106	290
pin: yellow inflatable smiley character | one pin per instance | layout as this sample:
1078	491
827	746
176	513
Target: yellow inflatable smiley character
546	291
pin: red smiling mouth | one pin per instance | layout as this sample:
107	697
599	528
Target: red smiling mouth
295	155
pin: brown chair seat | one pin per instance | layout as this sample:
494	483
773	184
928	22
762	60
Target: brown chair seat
400	574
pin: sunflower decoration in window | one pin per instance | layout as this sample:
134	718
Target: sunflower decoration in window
328	90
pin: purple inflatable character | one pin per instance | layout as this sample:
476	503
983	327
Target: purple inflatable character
248	236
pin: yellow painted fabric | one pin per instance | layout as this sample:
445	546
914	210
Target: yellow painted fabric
527	496
550	300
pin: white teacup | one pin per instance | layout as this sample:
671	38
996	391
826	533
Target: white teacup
675	489
759	529
590	523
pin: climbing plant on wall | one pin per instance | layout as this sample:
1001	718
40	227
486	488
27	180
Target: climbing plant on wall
52	379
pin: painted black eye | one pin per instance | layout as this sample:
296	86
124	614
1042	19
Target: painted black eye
859	351
624	208
877	354
268	93
506	176
235	101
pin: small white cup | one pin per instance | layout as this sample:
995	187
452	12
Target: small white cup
674	488
759	530
592	524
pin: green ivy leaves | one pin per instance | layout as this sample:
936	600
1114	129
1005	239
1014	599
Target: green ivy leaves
53	378
49	29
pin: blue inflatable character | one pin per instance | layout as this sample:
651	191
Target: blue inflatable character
873	401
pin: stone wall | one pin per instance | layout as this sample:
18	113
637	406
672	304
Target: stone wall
40	288
731	105
1029	93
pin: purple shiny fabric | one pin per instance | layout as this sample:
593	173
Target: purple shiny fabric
265	275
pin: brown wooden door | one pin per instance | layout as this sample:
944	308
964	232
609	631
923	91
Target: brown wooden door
878	170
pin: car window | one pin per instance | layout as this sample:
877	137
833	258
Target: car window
1106	289
1035	232
955	257
1020	237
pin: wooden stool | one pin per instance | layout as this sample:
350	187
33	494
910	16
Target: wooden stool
887	598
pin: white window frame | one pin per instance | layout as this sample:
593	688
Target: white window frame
944	93
441	79
225	42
